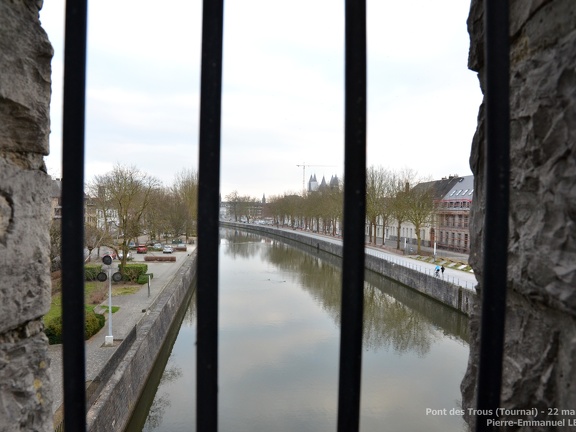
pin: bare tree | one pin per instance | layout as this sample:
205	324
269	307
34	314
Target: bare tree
186	190
247	206
375	194
420	207
233	199
385	203
127	191
93	238
398	204
155	214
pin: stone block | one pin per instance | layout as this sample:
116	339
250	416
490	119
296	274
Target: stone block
25	55
25	387
24	245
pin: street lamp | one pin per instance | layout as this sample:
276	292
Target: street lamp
109	340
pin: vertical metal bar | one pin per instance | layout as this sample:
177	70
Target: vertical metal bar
73	216
497	167
354	218
208	215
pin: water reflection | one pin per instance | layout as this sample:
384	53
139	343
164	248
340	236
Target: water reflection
162	401
394	315
279	342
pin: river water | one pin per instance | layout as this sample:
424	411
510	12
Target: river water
279	350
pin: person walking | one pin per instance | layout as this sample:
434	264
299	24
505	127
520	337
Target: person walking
437	271
442	268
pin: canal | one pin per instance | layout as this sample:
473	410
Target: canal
279	342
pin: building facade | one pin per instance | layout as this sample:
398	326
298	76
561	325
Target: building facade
448	227
453	217
90	213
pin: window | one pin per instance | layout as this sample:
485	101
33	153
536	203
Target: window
497	51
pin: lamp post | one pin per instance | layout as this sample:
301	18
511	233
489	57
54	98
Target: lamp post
109	340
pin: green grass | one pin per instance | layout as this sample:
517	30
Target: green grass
90	288
125	290
114	309
55	308
448	263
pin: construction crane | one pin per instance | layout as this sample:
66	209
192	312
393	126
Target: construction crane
304	165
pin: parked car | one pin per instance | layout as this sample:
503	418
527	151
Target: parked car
167	249
158	246
111	253
142	249
121	254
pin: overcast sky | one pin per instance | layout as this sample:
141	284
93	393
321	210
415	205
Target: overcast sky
283	89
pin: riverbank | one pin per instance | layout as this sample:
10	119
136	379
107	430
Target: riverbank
456	292
140	314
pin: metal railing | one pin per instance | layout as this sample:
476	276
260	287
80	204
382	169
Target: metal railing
497	175
495	230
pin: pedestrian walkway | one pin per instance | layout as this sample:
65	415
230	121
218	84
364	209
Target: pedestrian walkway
464	279
132	307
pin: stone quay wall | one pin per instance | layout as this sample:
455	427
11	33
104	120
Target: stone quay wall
117	400
441	290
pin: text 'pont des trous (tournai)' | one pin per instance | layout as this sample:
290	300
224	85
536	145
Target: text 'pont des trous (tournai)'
514	417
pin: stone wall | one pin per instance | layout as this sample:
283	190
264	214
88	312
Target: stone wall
121	392
540	339
439	289
25	55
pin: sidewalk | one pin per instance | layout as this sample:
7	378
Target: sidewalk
132	309
464	279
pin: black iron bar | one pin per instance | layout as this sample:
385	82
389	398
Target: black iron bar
354	218
497	174
72	254
208	216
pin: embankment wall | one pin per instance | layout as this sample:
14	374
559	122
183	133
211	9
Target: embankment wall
450	294
114	405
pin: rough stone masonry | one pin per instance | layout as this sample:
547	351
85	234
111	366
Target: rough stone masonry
540	337
25	55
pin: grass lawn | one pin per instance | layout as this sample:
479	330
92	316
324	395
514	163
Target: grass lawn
94	294
114	309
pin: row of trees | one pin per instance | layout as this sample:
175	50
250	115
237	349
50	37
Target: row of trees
129	203
390	197
241	205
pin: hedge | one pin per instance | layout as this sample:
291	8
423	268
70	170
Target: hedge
142	279
94	322
91	271
133	271
159	258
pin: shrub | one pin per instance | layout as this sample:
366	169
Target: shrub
133	271
159	258
53	331
143	279
97	297
94	322
91	270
